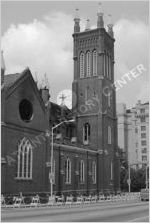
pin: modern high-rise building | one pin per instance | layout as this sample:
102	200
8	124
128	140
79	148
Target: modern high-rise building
133	132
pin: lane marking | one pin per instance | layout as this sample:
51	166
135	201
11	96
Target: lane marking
135	219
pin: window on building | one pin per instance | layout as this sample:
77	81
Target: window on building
109	99
94	172
143	128
111	171
143	135
142	119
136	130
109	135
110	67
81	171
88	64
94	62
144	150
136	144
144	158
104	63
107	60
86	133
82	64
24	159
143	142
68	171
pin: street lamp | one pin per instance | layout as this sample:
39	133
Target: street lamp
129	178
51	175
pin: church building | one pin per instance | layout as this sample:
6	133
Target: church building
86	159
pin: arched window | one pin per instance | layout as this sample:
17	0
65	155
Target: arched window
94	62
110	67
107	60
24	167
109	99
88	64
86	134
81	171
109	135
111	171
105	64
94	172
68	171
81	64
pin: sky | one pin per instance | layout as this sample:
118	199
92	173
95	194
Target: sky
38	34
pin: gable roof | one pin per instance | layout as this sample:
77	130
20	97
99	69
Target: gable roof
57	112
11	81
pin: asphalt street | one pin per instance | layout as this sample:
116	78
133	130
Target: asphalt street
104	212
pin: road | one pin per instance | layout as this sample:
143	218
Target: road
104	212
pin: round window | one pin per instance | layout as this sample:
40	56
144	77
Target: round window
26	110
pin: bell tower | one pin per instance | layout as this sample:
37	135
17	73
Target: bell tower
94	97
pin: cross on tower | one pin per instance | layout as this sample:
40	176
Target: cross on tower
62	97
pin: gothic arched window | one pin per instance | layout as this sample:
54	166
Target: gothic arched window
109	135
109	99
25	159
86	134
88	64
81	64
105	64
111	170
110	70
94	62
68	171
94	172
81	171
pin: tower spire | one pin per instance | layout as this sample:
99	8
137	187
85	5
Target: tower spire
100	22
2	61
87	25
110	26
77	22
3	68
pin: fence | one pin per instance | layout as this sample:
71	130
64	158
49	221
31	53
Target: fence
37	201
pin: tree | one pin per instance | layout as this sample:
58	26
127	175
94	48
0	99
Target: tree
137	176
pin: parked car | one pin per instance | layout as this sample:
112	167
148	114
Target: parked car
144	194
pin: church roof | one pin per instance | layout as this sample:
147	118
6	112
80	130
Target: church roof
10	79
56	111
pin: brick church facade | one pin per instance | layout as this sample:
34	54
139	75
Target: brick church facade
86	159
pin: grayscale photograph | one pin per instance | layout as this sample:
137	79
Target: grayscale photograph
74	111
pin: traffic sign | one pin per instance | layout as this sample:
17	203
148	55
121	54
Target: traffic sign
48	164
51	176
128	181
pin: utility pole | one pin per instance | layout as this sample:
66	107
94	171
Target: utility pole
129	178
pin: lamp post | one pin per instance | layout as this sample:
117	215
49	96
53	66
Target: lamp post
129	178
51	176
